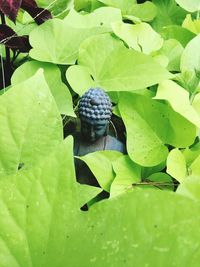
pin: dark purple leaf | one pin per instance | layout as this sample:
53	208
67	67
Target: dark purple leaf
10	8
27	4
39	14
10	39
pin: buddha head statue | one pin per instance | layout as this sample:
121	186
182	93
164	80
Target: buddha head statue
95	111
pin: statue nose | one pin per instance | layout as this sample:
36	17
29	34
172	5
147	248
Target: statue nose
92	133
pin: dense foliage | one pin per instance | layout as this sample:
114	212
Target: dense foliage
146	55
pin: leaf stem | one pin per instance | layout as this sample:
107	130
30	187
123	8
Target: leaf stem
198	14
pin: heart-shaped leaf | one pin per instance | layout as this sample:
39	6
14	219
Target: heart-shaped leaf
58	41
115	68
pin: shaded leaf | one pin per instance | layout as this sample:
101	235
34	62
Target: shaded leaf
177	32
168	13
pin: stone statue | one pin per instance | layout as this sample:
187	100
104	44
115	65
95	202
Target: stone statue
95	111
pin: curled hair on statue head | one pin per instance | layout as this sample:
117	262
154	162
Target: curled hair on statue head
95	105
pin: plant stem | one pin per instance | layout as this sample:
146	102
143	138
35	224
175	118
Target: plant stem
8	69
198	13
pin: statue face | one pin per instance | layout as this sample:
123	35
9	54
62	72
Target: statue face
93	130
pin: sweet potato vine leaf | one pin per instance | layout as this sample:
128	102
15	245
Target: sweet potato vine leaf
30	125
42	226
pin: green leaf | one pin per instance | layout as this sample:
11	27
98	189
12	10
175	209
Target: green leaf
148	171
146	11
116	68
144	219
57	41
161	180
86	193
190	60
79	79
100	18
194	168
124	5
141	37
40	209
176	165
52	76
56	7
143	143
196	103
191	153
173	50
189	5
127	173
178	98
30	124
150	125
86	5
35	209
168	13
102	158
191	25
190	188
182	35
